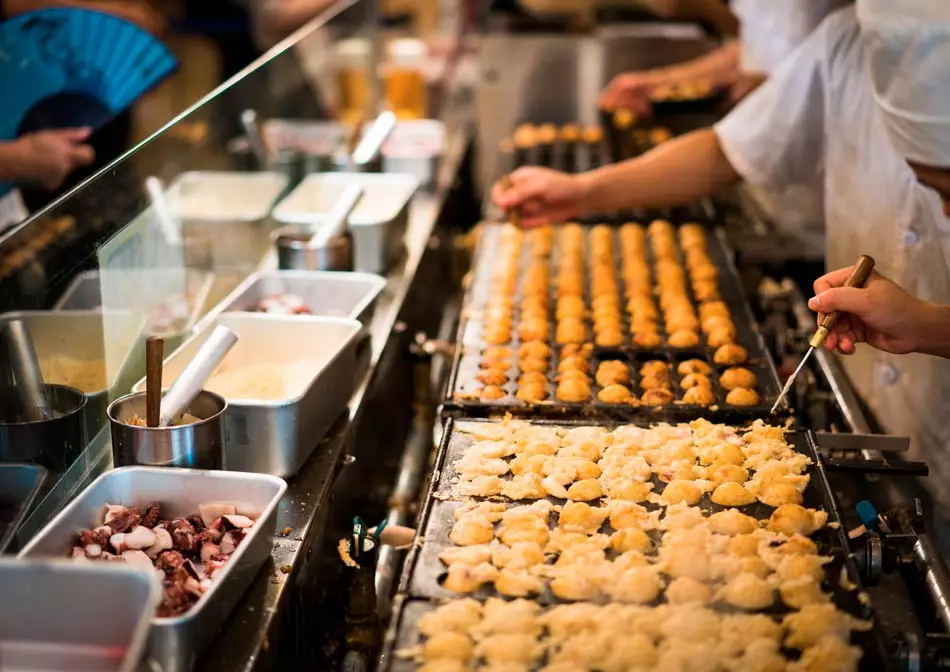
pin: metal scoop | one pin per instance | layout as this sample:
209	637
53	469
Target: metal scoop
191	381
30	387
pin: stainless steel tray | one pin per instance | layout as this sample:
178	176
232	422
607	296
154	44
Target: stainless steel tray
325	294
175	643
415	148
131	293
277	436
114	337
19	485
235	205
378	224
74	616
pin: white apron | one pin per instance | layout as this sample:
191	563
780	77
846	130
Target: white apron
12	210
818	111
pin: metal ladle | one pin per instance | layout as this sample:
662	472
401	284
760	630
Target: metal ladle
30	387
327	247
192	379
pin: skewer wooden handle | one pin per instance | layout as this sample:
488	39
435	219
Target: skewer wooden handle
514	216
154	354
859	275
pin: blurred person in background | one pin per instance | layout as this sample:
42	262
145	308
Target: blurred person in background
273	20
865	102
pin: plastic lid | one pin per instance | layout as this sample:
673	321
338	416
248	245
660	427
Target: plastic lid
867	513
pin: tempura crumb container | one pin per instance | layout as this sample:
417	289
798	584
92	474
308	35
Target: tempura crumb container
174	644
276	436
378	223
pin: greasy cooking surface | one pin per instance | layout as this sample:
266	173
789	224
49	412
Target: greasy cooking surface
647	555
481	340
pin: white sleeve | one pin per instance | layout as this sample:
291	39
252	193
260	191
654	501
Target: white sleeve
776	135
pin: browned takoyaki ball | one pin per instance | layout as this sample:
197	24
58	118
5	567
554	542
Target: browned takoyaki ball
570	306
721	336
647	339
654	381
683	338
570	284
491	377
657	397
713	321
534	349
574	363
707	271
693	366
706	290
497	335
654	367
730	354
533	329
742	397
570	133
613	372
642	306
699	395
609	338
538	303
735	377
615	394
492	393
593	134
695	380
529	377
710	308
572	374
496	353
573	391
534	364
571	330
532	393
547	133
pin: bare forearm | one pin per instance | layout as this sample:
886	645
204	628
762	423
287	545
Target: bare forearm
934	331
715	13
680	171
284	17
11	162
720	66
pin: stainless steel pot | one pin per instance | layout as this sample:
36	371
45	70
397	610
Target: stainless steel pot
327	247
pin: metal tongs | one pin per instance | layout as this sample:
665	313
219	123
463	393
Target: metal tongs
859	276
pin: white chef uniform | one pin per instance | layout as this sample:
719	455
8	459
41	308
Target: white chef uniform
770	30
12	210
817	113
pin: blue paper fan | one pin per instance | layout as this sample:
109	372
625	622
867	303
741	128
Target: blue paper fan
73	67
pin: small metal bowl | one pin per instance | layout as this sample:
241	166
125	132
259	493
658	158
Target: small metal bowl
52	443
295	252
198	445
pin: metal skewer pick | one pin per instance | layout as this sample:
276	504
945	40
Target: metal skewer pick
859	275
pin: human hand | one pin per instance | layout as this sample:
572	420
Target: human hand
881	314
139	12
632	90
541	195
48	157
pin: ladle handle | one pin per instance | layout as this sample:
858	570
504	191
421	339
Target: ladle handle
336	220
191	381
255	137
26	371
154	354
372	143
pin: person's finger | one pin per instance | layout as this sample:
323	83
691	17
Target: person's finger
847	299
82	155
74	134
831	342
829	280
845	346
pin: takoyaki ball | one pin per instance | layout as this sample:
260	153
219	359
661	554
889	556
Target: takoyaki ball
654	367
636	274
608	322
593	134
532	393
659	135
675	303
534	313
645	339
573	363
604	287
573	391
609	338
535	303
655	381
606	311
534	349
525	134
570	132
496	353
706	290
657	397
700	396
681	320
582	349
570	283
491	377
615	394
710	323
660	227
706	271
529	377
533	329
547	133
742	396
721	336
570	306
642	306
606	301
533	364
696	366
692	231
496	335
710	308
572	374
638	324
691	380
571	330
735	377
730	354
613	372
492	393
683	338
664	248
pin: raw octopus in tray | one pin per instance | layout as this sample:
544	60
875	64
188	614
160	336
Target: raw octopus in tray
186	552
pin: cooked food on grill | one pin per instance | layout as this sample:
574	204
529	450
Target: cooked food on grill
741	396
735	376
730	355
